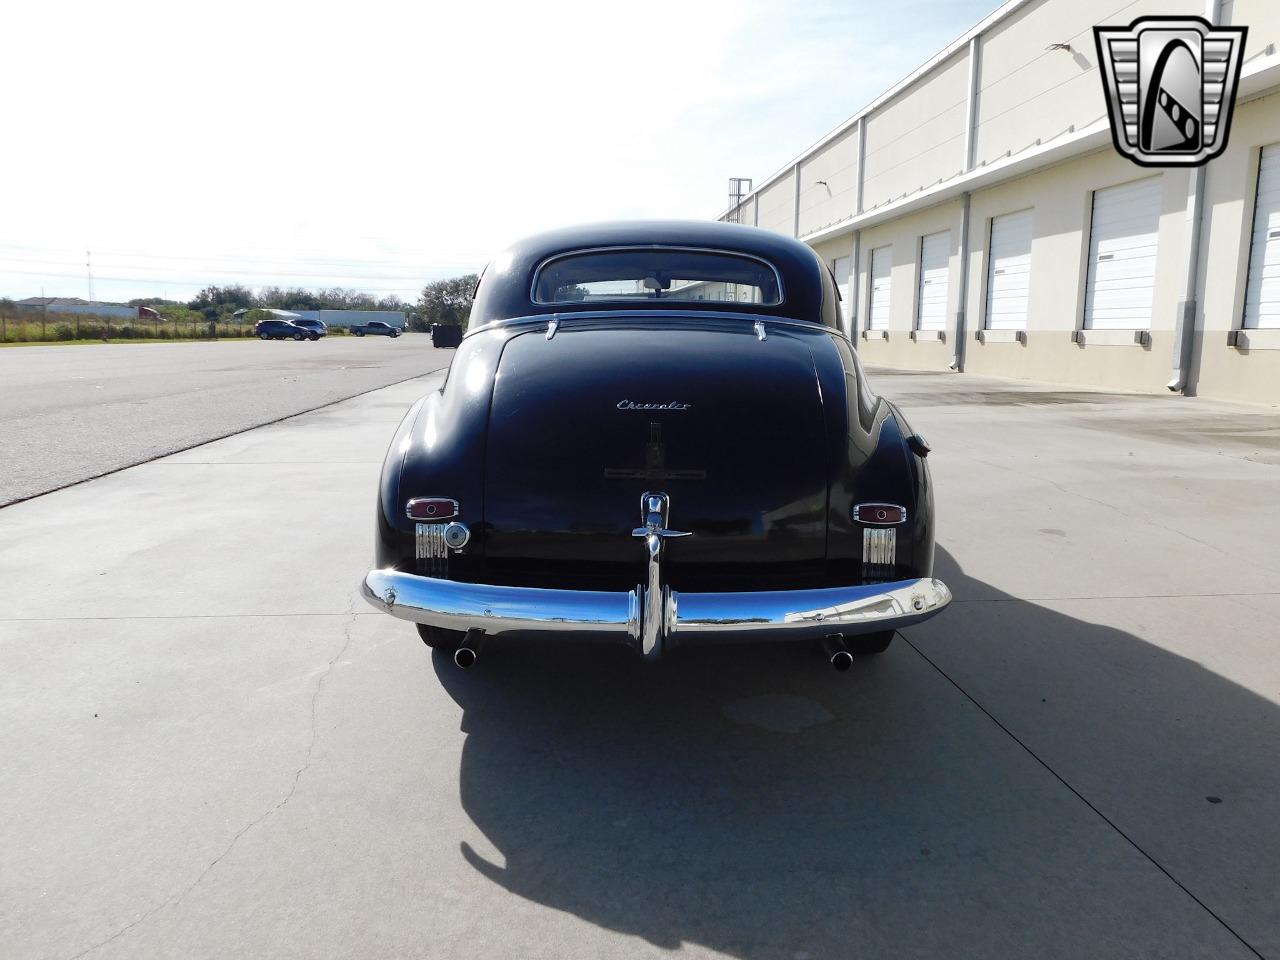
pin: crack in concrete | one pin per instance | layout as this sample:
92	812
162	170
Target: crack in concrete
176	899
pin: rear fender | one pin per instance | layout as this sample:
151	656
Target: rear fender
439	451
870	462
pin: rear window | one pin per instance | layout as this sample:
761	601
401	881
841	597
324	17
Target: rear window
662	274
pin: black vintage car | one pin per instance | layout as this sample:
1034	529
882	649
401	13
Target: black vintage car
655	434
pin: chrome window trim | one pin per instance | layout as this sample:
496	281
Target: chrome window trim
679	248
542	319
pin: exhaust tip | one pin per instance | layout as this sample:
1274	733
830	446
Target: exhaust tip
842	660
464	657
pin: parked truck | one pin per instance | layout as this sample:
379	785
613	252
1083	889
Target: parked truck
375	328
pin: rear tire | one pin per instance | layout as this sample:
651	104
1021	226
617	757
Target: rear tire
314	337
868	644
359	333
394	334
439	639
299	336
264	336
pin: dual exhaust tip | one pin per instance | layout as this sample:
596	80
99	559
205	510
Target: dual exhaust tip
838	654
468	651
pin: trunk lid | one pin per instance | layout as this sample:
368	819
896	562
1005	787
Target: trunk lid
730	427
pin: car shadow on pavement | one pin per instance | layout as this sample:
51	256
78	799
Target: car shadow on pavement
752	801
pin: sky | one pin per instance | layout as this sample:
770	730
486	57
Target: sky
379	145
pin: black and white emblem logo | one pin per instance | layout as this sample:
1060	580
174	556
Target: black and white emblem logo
1170	84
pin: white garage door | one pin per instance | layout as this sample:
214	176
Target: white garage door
1122	257
881	264
1262	298
1009	271
841	267
935	269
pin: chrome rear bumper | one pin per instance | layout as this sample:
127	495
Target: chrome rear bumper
695	618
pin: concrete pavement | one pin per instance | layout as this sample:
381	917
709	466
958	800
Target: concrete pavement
72	412
210	747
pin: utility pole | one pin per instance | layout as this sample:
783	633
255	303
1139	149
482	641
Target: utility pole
88	267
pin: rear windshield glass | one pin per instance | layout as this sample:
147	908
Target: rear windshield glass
663	274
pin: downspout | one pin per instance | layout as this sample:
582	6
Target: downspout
970	152
795	209
957	361
1188	306
854	277
1184	338
855	271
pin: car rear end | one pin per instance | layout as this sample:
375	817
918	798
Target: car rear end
656	476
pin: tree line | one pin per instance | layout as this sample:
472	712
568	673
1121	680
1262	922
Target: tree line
441	301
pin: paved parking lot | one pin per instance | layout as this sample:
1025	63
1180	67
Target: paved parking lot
209	747
76	411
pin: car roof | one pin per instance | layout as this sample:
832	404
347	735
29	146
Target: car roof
505	288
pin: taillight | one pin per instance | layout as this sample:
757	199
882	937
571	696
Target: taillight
431	509
880	514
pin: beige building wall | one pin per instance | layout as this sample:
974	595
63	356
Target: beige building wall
896	346
917	138
1040	143
829	183
1262	18
777	206
1027	93
1224	370
1061	199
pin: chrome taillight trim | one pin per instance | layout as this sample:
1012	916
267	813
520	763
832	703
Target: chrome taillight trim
408	509
857	509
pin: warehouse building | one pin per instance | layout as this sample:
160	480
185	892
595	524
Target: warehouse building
978	216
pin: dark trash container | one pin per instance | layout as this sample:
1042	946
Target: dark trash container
445	336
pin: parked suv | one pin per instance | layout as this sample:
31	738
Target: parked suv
315	328
281	330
